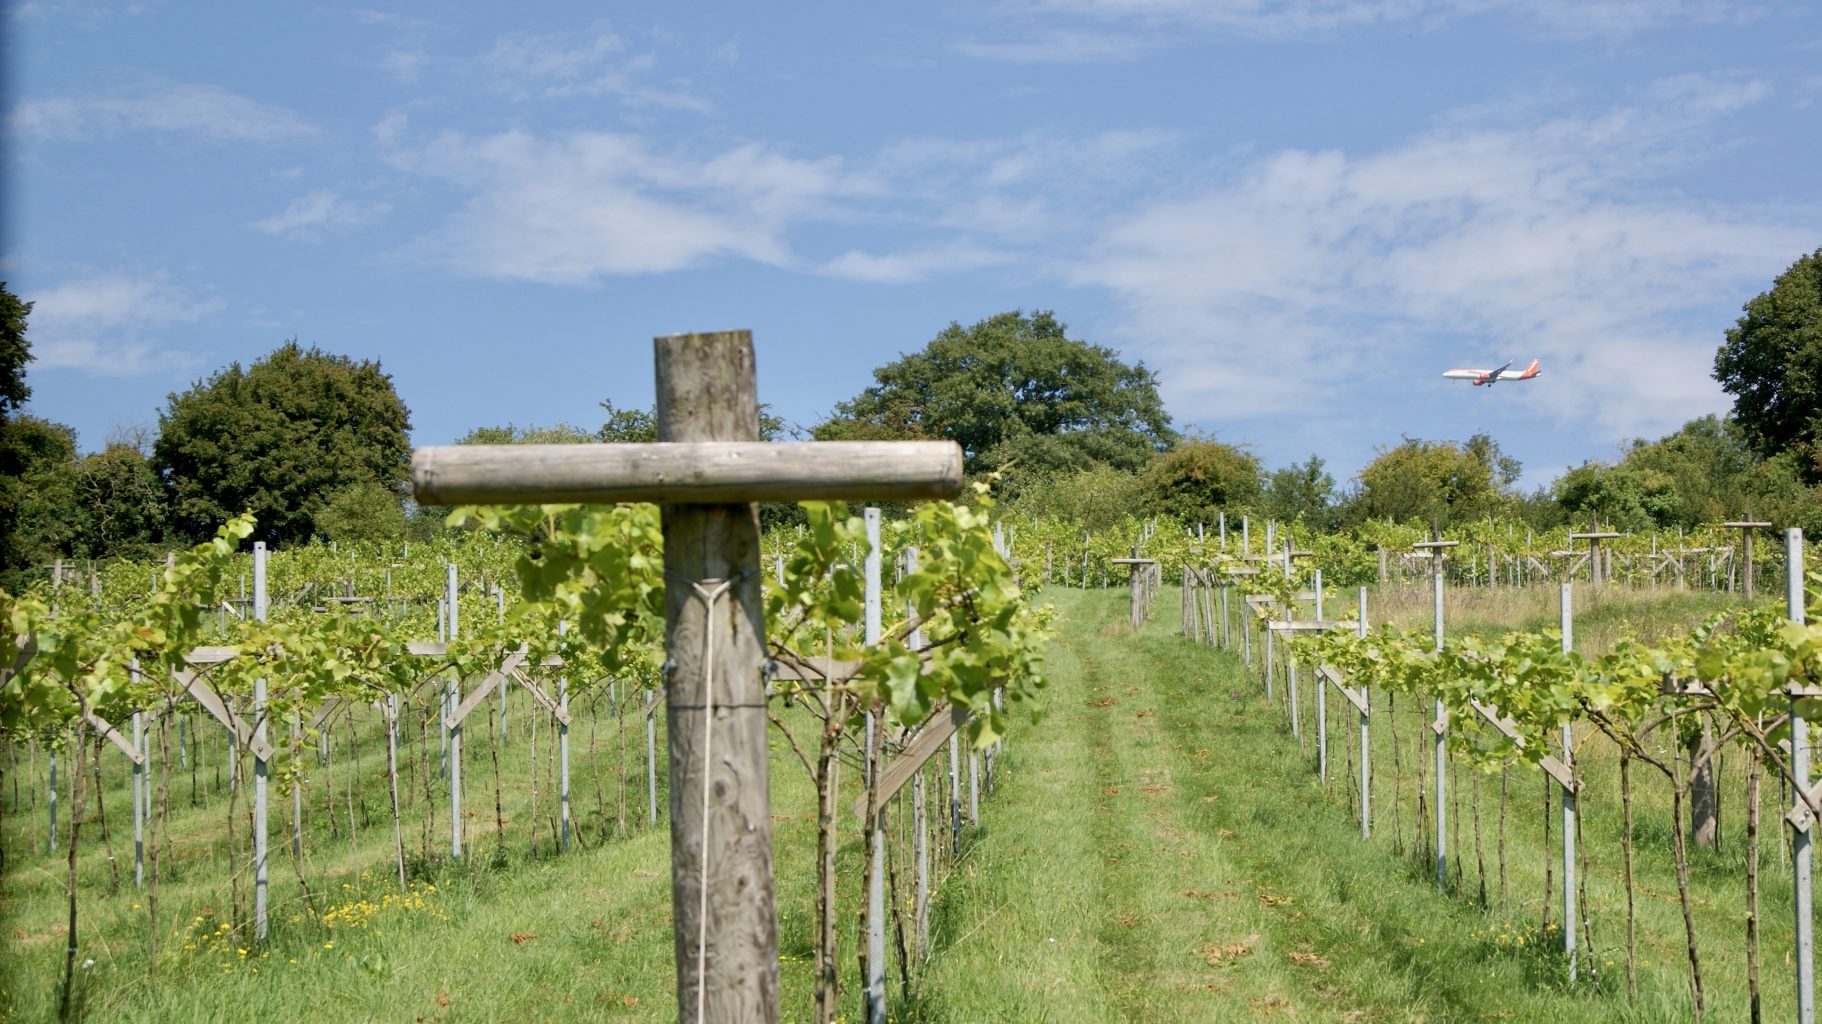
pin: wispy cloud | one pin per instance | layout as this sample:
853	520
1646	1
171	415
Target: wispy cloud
913	265
575	208
205	111
588	63
1553	238
106	324
310	215
1060	46
1082	31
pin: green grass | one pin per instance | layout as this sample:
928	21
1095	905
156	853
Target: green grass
1158	849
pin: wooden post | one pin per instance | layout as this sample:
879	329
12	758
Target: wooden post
1746	528
722	899
920	828
140	775
260	765
1440	727
875	981
651	758
706	470
1802	839
1322	702
454	696
1366	745
1567	624
563	746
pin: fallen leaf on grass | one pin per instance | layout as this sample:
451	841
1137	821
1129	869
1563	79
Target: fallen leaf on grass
1110	791
521	938
629	1000
442	999
1222	952
1105	703
1269	1006
1272	899
1145	714
1162	787
1225	833
1298	956
1204	894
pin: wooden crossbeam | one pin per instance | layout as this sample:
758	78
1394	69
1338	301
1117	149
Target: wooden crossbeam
492	679
203	694
106	730
686	472
922	746
538	694
1551	765
1310	625
1355	695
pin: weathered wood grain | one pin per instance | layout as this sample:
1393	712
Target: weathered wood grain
693	472
727	966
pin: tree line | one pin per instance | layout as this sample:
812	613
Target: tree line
317	446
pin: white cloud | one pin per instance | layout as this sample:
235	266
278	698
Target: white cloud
574	208
590	63
313	213
107	324
915	265
1085	30
199	110
1063	46
1301	272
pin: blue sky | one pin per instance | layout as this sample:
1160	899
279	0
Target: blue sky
1298	214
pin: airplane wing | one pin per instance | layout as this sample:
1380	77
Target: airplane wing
1493	375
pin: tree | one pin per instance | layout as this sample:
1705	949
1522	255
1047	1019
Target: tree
1705	472
279	438
559	433
1199	478
15	352
1618	497
362	511
30	448
1014	388
1771	363
1434	482
1097	499
1304	491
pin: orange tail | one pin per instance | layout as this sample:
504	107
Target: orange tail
1530	371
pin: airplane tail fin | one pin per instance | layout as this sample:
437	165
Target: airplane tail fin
1530	371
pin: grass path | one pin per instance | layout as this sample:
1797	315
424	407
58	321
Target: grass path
1160	852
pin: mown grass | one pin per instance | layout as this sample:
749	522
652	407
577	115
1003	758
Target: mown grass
1167	853
516	931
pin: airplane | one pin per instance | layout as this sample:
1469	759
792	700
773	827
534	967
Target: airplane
1491	377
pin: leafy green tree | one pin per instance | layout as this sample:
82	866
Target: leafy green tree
15	352
361	511
559	433
1304	491
1771	363
278	438
1199	478
1618	497
1098	498
1014	388
1705	472
15	451
1433	482
30	448
636	426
